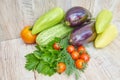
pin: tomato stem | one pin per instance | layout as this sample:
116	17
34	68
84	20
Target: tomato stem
30	28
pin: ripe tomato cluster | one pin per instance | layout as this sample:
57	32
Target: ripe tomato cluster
80	55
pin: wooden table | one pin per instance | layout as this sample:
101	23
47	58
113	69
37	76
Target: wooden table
15	14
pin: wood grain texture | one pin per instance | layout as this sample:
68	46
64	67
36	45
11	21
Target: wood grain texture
88	4
10	18
12	60
15	14
40	7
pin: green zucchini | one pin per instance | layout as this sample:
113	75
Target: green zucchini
48	20
48	35
103	20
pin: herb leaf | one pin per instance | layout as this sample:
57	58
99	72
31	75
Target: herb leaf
31	62
44	59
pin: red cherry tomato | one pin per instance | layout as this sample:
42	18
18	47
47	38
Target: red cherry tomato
75	55
79	63
81	49
56	46
61	67
85	57
70	48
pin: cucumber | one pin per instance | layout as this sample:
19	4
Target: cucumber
48	20
48	35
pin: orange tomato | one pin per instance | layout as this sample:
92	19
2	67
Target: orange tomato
61	67
27	36
79	63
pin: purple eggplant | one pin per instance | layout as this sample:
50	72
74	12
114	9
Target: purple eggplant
83	34
77	16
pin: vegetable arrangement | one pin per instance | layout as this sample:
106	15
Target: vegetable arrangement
57	56
60	37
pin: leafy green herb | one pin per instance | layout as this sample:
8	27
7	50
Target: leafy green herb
66	56
67	59
32	62
44	59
